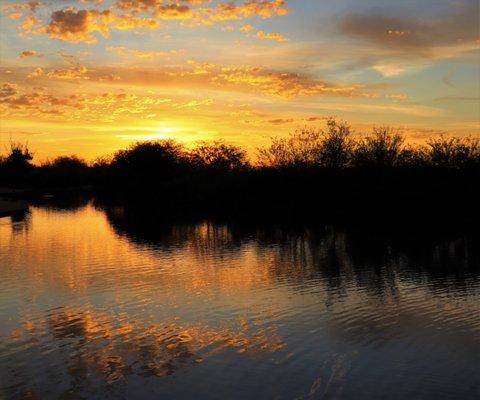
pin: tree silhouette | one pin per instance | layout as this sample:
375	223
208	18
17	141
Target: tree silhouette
218	156
454	152
382	148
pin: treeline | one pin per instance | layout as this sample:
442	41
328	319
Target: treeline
329	172
384	147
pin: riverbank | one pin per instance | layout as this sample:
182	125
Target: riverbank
8	207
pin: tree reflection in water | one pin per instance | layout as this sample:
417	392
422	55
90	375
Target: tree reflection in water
105	302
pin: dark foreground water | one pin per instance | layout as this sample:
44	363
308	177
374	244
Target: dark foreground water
94	306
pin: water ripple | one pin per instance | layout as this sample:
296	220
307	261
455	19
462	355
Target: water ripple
91	309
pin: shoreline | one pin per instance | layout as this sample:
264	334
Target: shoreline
8	207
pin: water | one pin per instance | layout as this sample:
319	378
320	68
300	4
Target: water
97	304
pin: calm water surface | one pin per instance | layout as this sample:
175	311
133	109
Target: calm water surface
95	305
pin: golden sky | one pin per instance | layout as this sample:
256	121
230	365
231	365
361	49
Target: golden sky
88	77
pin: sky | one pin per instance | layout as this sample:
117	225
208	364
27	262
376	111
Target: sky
88	77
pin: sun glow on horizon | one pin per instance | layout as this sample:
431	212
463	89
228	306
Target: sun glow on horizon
162	132
89	77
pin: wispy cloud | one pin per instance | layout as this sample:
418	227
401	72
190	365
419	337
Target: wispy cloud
271	36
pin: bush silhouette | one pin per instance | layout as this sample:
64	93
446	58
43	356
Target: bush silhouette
336	145
309	148
310	172
149	162
382	148
65	171
16	166
218	156
413	157
301	149
454	152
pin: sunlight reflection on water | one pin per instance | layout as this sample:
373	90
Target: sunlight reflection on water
92	306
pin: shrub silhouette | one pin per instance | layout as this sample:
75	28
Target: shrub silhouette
301	149
101	163
16	166
336	145
308	148
65	171
19	157
68	163
454	152
149	161
382	148
310	172
218	156
413	157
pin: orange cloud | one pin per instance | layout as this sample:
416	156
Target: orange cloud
398	97
230	11
128	22
28	24
228	78
36	72
271	36
76	26
246	28
204	15
22	7
281	84
27	53
209	76
8	90
79	25
194	103
122	50
137	6
77	72
73	25
388	70
14	16
281	121
173	11
315	119
105	107
37	101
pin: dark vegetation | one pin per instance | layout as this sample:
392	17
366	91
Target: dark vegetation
329	175
447	258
